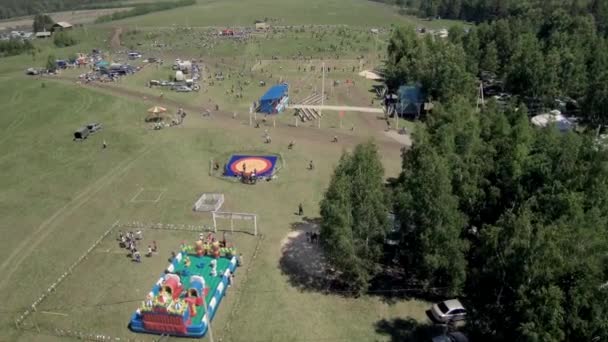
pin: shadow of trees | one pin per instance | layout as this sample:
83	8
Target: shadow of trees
407	330
393	285
302	261
306	268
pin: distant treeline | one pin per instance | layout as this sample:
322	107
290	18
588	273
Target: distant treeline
145	9
489	10
16	8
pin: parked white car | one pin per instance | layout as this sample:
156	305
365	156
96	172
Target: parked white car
449	310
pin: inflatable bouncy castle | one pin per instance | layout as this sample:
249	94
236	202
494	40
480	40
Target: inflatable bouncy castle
186	297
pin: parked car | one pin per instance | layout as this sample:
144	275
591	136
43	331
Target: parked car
183	89
94	127
455	336
134	55
449	310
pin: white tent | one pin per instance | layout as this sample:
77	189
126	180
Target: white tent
553	117
370	75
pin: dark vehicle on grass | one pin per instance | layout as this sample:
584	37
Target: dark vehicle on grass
94	127
455	336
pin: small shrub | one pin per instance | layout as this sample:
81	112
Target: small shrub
63	39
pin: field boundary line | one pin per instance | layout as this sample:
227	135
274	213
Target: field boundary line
53	286
137	194
41	233
239	293
167	226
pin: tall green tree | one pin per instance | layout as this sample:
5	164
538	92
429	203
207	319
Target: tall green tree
51	62
431	246
42	22
596	98
489	61
354	214
527	66
503	37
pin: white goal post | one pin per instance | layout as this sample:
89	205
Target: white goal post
209	202
236	216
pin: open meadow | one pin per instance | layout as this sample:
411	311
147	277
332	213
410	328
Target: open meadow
60	196
290	12
73	17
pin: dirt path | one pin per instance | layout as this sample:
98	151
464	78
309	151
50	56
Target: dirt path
340	108
115	40
223	120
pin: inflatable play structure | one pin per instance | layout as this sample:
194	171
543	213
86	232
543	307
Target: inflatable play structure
184	300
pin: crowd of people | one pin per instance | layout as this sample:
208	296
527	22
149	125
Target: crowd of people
130	241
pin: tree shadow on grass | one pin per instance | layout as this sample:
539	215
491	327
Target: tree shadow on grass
393	285
407	330
302	261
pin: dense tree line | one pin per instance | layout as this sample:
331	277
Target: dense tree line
354	216
15	8
14	47
440	67
489	10
541	60
509	218
513	219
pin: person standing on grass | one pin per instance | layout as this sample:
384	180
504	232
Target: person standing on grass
105	145
154	246
300	209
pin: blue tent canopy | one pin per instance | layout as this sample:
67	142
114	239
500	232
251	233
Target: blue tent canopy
271	102
410	98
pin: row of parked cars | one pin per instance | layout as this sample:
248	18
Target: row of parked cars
180	87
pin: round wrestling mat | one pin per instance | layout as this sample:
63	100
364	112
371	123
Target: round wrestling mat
259	164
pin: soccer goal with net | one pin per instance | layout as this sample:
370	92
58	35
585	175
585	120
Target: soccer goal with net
209	202
239	222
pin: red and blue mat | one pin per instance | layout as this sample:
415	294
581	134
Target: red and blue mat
263	165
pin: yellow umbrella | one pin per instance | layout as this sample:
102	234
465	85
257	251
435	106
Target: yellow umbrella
157	109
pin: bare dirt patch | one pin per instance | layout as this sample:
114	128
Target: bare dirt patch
404	139
115	40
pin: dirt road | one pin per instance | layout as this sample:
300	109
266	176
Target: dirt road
115	40
223	120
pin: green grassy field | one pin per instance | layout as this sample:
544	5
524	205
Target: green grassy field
288	12
58	195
